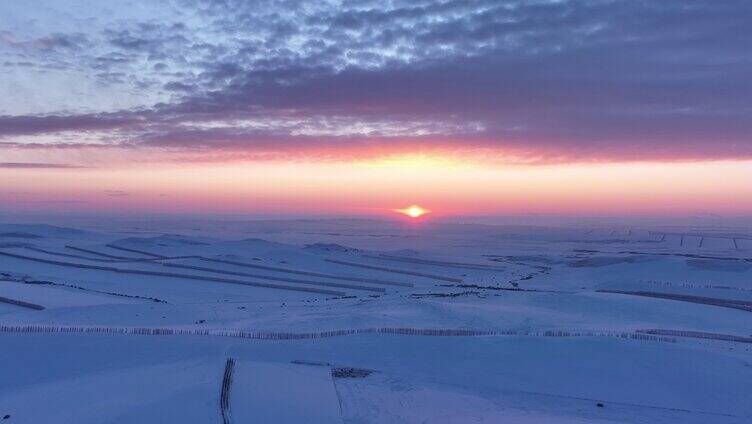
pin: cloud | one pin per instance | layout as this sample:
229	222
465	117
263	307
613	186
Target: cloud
22	165
45	124
54	41
569	80
63	201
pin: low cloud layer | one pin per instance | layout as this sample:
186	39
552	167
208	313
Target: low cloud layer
36	165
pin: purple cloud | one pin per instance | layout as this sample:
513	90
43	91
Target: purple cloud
22	165
574	80
117	193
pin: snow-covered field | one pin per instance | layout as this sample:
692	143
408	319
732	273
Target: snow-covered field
353	321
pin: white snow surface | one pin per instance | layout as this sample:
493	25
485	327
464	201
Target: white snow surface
533	324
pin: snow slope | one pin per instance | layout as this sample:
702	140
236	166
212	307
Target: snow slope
550	320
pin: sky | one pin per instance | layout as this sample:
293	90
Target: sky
562	107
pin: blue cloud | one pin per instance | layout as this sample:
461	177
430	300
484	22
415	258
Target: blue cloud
603	80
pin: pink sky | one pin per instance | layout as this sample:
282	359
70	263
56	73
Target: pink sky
445	185
551	107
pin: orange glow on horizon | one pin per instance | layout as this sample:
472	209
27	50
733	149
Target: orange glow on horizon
413	211
452	186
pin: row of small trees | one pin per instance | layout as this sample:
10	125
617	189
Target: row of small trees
175	275
224	394
21	303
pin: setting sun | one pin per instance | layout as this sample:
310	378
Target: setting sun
413	211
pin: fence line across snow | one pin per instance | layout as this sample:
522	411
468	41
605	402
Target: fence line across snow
273	335
697	335
743	305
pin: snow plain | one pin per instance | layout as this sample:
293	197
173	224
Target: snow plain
354	321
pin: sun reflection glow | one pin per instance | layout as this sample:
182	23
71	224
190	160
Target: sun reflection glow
413	211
